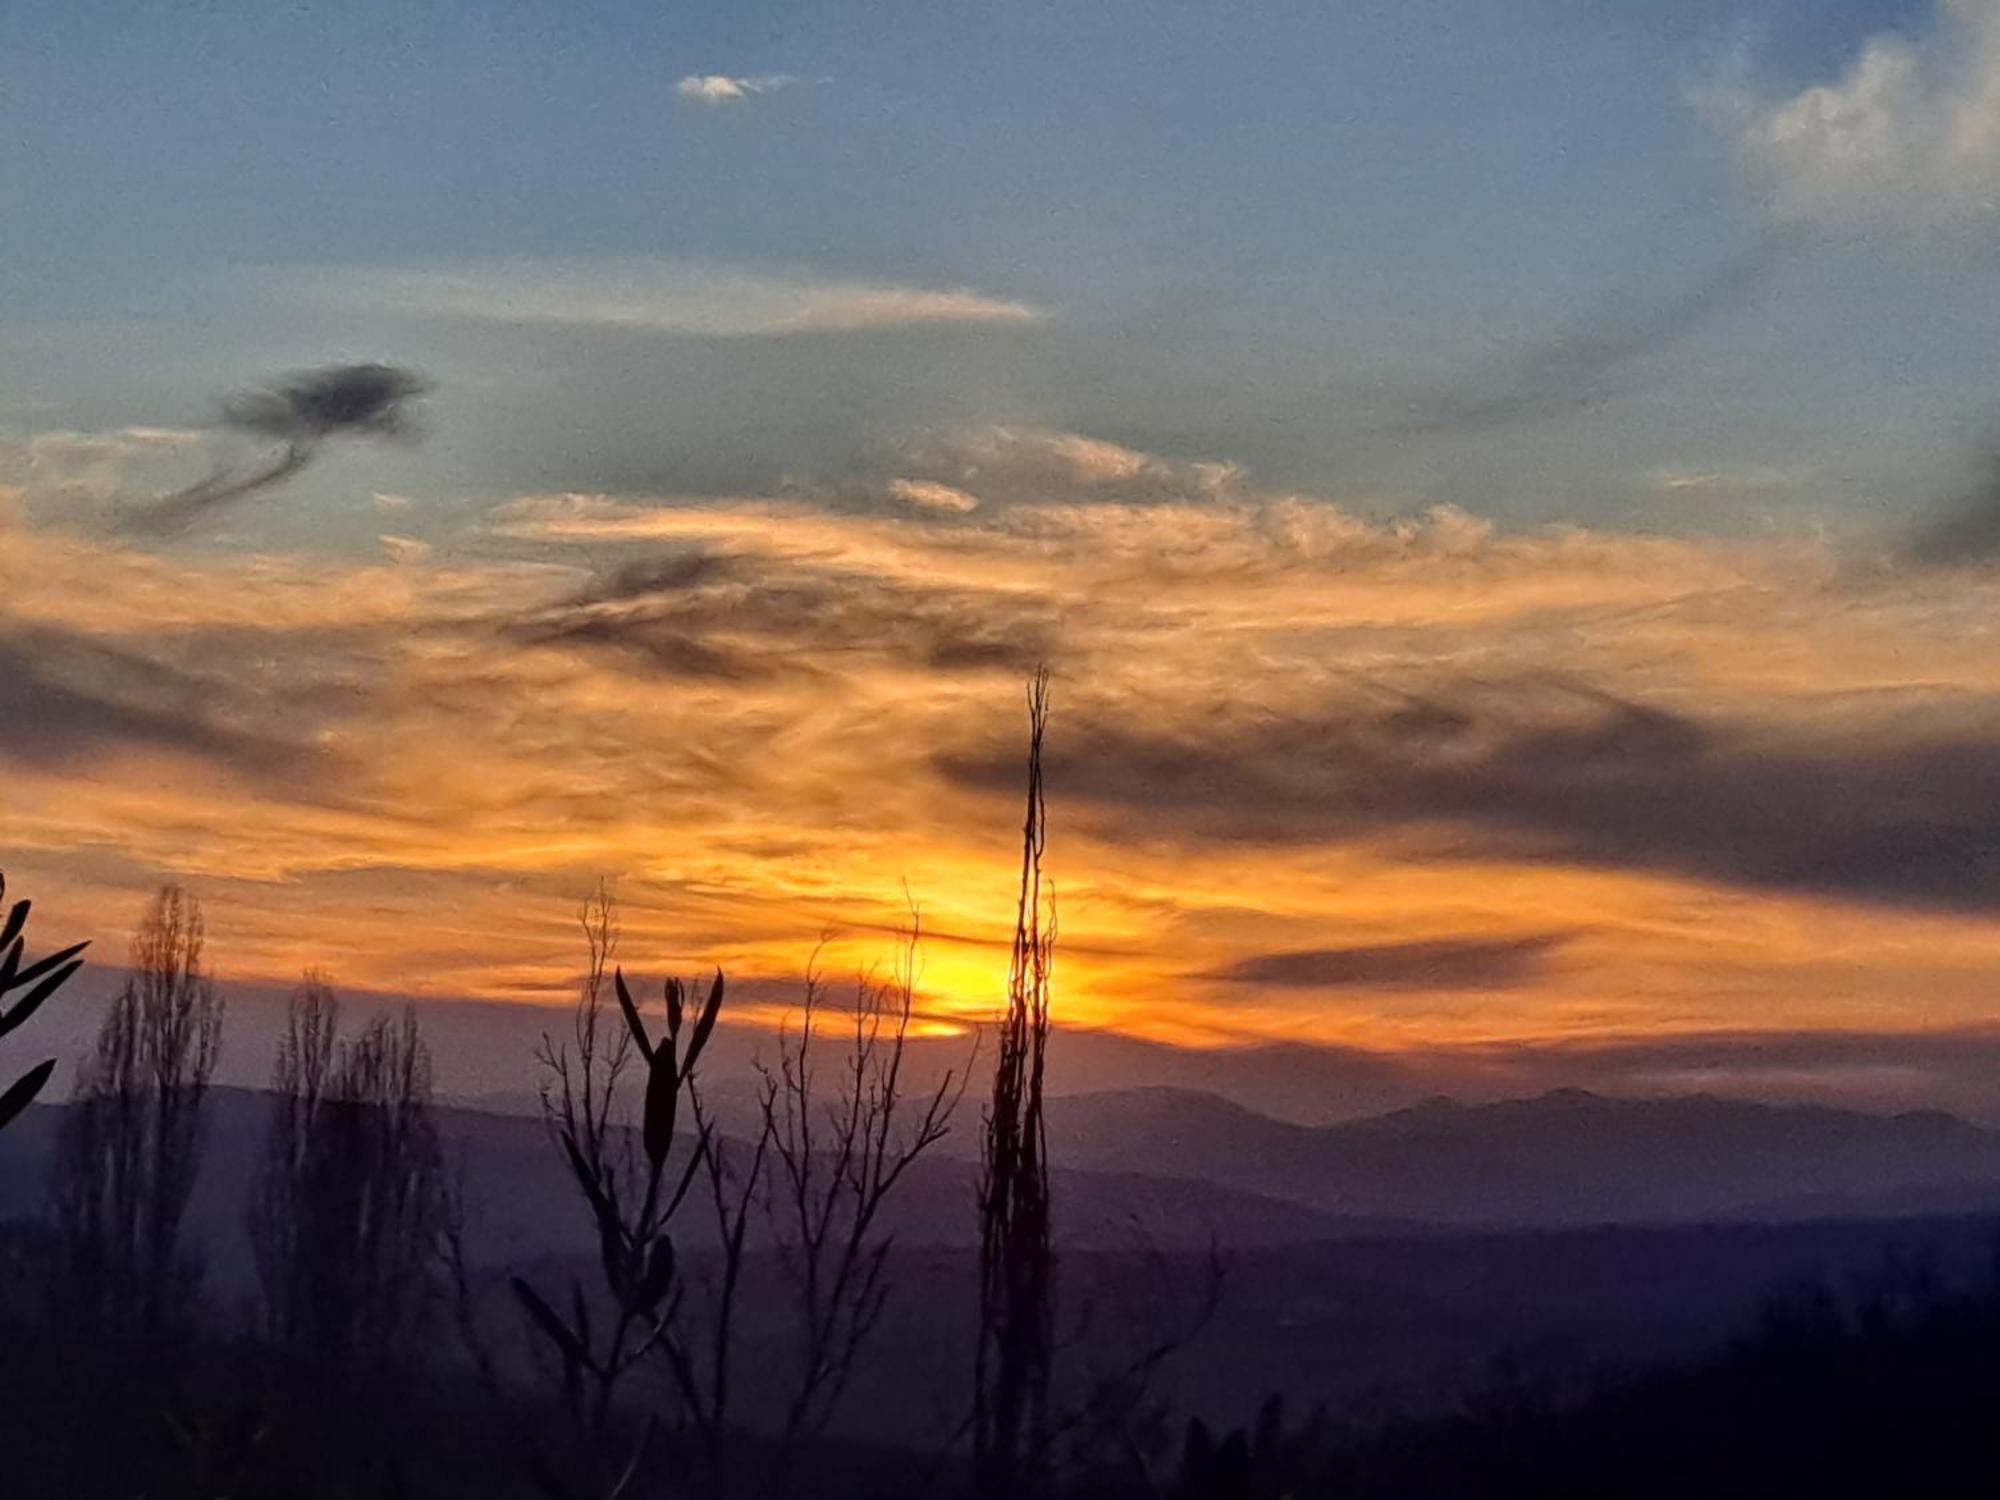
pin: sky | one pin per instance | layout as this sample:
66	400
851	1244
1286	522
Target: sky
1504	494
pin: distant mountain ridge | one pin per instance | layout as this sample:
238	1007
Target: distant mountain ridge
1562	1158
523	1205
1177	1167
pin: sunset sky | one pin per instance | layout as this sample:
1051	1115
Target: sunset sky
1503	494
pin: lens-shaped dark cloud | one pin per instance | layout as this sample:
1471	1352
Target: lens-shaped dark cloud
301	412
1884	812
1434	964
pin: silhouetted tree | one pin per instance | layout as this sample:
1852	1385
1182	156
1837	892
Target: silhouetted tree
131	1139
837	1155
1012	1368
32	983
348	1210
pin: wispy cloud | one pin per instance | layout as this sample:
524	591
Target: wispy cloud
1609	352
728	88
928	494
1713	483
1017	465
1908	137
663	297
75	471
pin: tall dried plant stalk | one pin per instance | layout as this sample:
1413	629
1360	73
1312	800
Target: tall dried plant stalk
1013	1365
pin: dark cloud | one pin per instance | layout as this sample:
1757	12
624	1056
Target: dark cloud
653	577
745	616
658	645
1896	813
1435	964
1592	360
1969	530
311	407
301	413
64	697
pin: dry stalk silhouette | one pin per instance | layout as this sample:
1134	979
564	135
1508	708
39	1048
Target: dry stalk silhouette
837	1156
1013	1365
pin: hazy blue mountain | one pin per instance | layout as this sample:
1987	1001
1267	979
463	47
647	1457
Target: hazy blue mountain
1567	1157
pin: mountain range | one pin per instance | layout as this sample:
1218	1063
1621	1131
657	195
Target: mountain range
1179	1168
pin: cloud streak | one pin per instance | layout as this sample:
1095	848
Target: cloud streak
1596	359
667	298
1902	814
1431	964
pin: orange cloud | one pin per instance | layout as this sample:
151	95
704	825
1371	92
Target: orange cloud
754	716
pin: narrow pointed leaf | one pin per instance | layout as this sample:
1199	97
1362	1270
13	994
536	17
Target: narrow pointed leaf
663	1097
706	1024
22	1093
16	920
674	1008
41	966
659	1278
632	1022
29	1003
695	1159
553	1328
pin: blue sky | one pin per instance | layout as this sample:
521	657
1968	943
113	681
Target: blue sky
1250	233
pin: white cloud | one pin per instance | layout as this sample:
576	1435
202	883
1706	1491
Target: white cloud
663	297
724	88
1908	137
928	494
1711	482
1009	465
403	549
65	468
